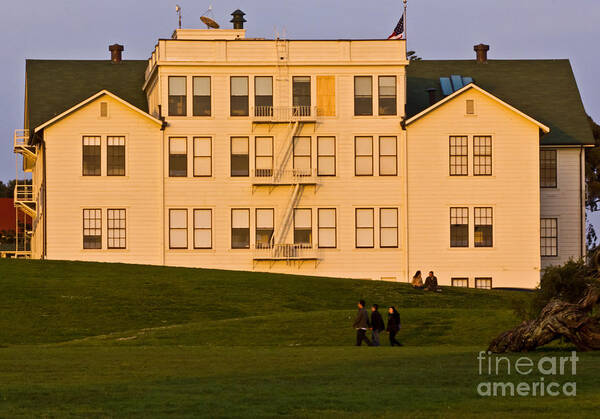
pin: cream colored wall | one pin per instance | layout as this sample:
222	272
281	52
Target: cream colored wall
564	204
37	176
512	191
139	192
345	192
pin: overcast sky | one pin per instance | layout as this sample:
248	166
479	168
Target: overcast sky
83	29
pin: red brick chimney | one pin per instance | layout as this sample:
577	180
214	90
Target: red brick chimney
115	53
481	51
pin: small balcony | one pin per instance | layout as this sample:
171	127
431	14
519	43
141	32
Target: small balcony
22	146
25	198
284	114
286	177
286	252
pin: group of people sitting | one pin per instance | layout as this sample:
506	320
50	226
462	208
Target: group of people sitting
431	282
375	324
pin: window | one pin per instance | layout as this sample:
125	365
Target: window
301	95
103	109
387	95
178	157
202	156
548	169
363	95
302	156
264	156
549	236
177	96
303	226
483	227
265	221
115	156
460	282
117	228
483	283
91	156
365	230
482	156
388	156
326	156
459	156
263	96
240	162
388	227
202	105
178	237
459	227
240	228
202	228
92	229
363	160
326	223
239	96
470	107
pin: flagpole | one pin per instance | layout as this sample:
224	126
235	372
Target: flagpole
405	26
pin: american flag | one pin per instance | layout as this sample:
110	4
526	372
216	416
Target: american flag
399	30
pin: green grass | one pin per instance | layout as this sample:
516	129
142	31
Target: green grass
98	340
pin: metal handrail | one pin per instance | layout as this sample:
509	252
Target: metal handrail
24	193
285	176
21	137
284	113
285	251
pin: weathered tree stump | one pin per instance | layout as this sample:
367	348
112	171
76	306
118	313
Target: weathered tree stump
558	319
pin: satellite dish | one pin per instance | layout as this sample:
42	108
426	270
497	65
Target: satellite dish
209	21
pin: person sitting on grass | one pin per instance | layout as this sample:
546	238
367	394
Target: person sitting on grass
417	281
431	283
393	326
377	325
361	324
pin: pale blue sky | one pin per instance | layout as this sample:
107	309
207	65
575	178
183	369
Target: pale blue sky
83	29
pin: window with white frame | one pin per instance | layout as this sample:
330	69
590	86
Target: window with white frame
178	157
240	160
92	228
263	156
302	156
177	96
326	223
363	95
202	99
388	227
326	156
178	225
484	227
483	283
117	228
549	237
265	222
388	156
387	95
202	228
460	282
115	156
239	96
240	228
202	156
303	226
91	156
363	156
365	229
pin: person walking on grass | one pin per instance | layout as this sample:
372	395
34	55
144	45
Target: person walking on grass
361	324
377	325
393	326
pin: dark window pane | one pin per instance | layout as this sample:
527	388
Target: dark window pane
240	238
387	106
263	238
115	156
303	237
178	165
92	242
91	156
239	105
483	236
363	106
177	106
459	235
548	168
263	101
202	106
240	165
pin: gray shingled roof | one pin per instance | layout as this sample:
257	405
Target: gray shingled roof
545	90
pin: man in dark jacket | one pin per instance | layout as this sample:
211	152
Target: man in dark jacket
361	324
431	283
377	325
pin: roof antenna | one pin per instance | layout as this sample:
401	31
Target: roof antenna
178	11
209	21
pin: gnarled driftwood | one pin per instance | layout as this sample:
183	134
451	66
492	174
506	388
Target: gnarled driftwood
558	319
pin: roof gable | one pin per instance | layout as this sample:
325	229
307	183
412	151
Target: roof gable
92	99
473	86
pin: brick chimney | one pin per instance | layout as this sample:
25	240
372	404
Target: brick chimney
115	53
238	19
481	51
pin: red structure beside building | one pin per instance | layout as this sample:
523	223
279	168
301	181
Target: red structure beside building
8	220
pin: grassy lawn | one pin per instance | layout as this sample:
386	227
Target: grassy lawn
109	340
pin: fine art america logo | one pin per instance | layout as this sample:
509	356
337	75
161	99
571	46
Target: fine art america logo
549	376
